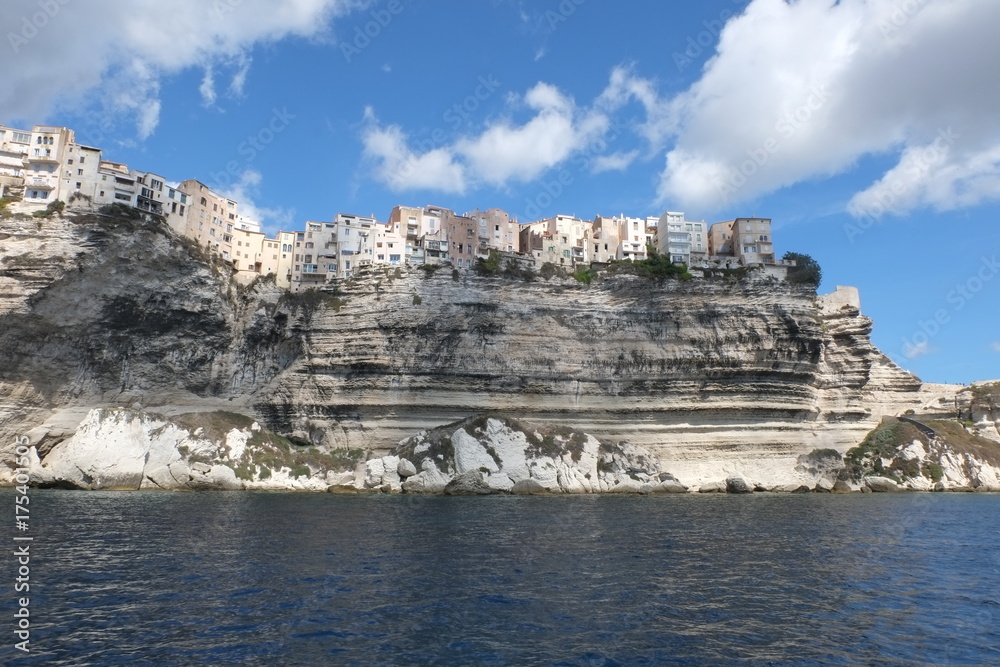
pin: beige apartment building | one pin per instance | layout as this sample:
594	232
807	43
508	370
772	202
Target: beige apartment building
562	240
423	229
496	230
605	239
746	239
328	251
463	240
47	151
14	146
210	217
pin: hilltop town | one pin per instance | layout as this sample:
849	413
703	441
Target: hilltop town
46	169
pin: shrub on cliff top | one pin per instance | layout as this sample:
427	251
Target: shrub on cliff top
489	266
806	270
118	210
54	208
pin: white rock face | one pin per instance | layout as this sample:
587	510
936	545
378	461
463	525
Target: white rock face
508	456
108	451
118	448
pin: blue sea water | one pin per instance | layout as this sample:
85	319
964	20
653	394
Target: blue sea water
156	578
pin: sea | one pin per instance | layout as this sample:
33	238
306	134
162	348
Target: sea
248	578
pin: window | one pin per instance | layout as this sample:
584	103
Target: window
79	172
78	185
69	161
102	193
82	159
565	253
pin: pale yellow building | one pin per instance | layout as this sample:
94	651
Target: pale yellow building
211	217
562	240
746	239
47	151
14	146
424	230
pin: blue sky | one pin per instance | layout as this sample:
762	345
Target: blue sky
867	130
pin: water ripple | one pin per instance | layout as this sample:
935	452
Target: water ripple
264	579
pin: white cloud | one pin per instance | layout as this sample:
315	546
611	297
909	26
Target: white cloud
619	161
803	90
625	86
240	77
126	49
507	152
911	351
503	152
207	87
245	190
401	168
996	347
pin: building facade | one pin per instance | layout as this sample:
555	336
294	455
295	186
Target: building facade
746	239
562	240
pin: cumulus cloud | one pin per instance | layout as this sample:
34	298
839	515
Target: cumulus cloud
996	347
503	152
619	161
803	90
60	56
245	191
402	168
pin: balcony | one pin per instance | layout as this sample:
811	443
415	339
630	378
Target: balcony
42	158
40	183
149	205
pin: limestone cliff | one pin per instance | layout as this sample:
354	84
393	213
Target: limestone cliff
715	378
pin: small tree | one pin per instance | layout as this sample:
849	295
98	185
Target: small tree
806	270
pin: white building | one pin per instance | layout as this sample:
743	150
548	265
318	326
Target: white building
13	152
685	241
47	151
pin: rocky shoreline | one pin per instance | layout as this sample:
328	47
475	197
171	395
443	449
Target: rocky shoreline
129	449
